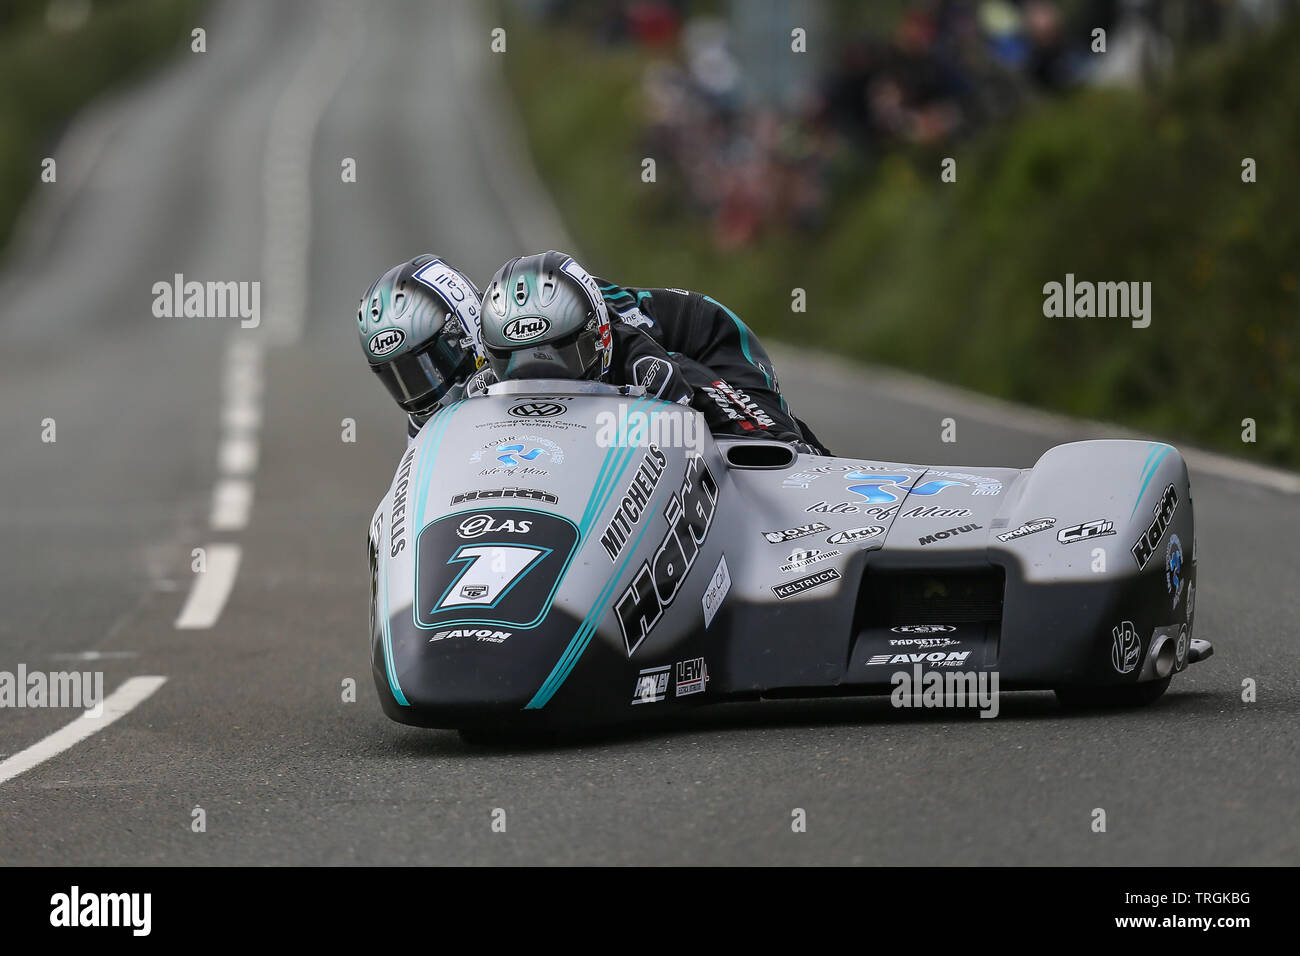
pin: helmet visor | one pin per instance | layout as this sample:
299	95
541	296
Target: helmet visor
575	356
419	380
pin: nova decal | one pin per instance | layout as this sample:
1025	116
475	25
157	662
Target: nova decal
790	534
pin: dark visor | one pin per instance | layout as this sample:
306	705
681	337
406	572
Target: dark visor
419	379
572	357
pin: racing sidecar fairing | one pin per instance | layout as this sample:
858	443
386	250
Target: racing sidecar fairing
560	553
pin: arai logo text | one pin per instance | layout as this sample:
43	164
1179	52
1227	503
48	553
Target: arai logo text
526	328
385	341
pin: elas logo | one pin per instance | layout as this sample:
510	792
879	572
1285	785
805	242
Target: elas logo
475	526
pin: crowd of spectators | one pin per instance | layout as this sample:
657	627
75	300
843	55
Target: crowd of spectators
942	70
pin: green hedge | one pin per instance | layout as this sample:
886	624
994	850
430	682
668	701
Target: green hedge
946	279
46	76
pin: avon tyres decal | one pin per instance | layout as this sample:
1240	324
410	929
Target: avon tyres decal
498	566
657	582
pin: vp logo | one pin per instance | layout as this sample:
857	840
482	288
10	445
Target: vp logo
509	454
886	488
537	409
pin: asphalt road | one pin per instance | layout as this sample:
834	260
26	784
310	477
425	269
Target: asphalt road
250	725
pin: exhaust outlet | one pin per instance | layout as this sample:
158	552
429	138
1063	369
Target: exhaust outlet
1162	657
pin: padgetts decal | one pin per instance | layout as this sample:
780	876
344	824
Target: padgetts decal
1163	514
632	507
657	582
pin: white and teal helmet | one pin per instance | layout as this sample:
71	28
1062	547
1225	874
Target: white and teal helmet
544	317
420	327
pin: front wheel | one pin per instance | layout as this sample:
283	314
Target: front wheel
1112	698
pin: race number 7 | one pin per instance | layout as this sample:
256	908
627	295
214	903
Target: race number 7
490	571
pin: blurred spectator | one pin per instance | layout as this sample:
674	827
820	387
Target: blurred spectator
753	161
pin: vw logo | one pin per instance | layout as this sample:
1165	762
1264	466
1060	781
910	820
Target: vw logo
537	410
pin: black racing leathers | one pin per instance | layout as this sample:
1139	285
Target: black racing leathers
732	380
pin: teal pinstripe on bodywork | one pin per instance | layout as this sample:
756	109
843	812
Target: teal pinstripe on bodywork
1149	468
608	479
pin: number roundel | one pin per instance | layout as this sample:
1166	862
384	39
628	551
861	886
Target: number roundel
497	566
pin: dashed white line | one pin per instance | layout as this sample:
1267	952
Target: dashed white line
232	499
238	455
211	588
286	184
117	704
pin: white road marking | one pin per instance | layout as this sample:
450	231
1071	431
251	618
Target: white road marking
231	501
286	183
237	455
210	589
95	656
952	400
117	704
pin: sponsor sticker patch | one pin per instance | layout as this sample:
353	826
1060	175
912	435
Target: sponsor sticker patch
791	588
